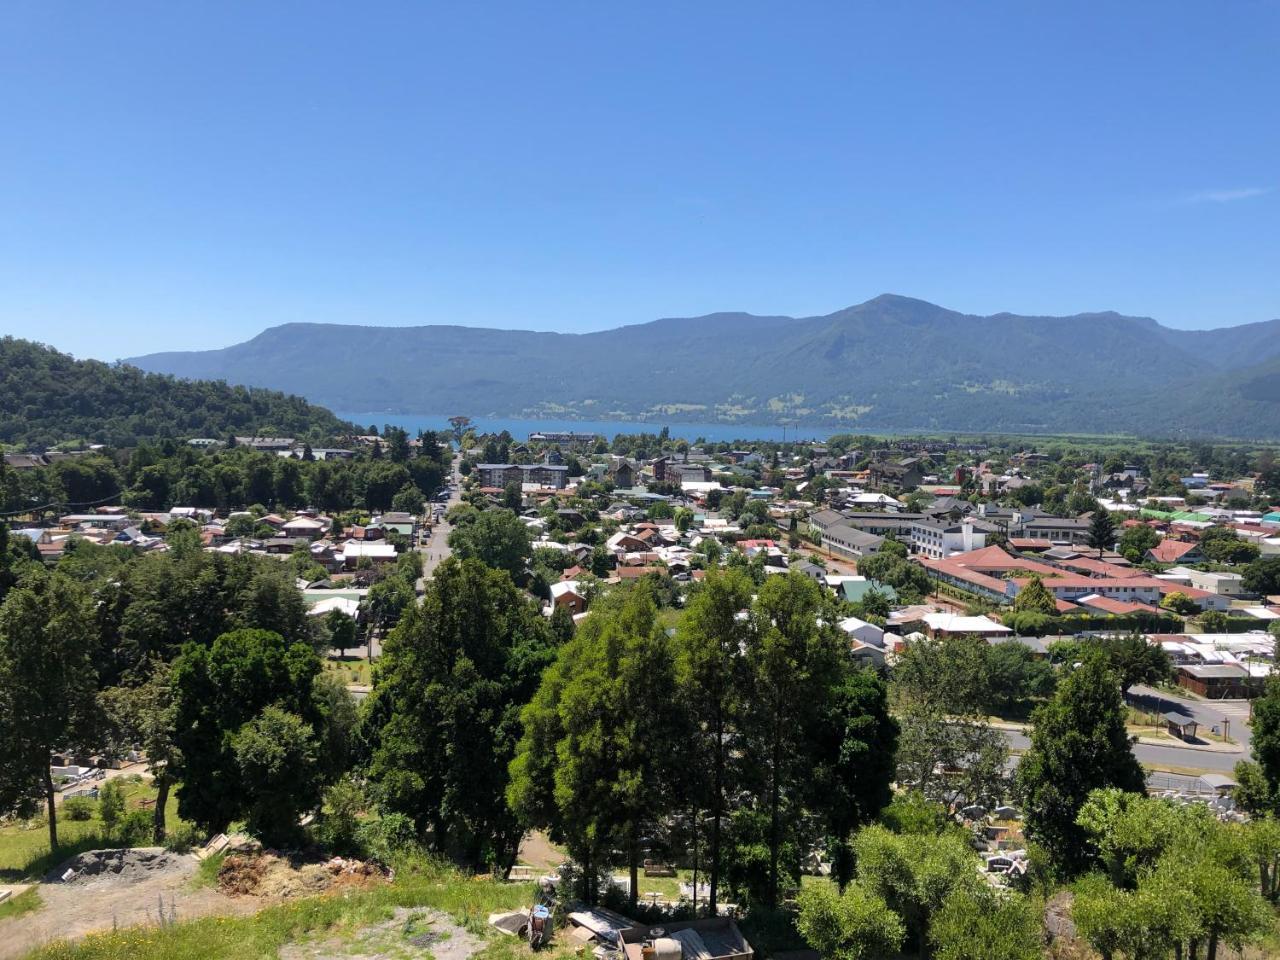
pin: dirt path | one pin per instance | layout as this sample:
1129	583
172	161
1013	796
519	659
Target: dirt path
71	910
536	851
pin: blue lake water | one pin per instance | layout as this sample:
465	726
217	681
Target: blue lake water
520	429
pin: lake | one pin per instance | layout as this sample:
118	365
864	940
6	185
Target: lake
520	429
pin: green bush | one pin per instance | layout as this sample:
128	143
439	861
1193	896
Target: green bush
78	808
111	805
183	837
137	828
384	837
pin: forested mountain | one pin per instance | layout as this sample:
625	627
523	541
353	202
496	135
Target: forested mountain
892	363
47	397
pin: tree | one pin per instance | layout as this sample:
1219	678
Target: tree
1179	603
1266	735
222	692
442	721
47	687
915	874
851	925
854	762
977	923
512	498
1035	598
946	749
1102	531
145	716
1135	661
1078	744
342	630
409	499
1223	545
595	762
277	760
1213	621
1136	540
1016	677
710	667
110	805
1262	576
497	538
793	658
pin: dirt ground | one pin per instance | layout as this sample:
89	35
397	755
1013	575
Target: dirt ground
410	932
537	851
141	891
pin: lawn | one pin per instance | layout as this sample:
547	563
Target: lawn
24	845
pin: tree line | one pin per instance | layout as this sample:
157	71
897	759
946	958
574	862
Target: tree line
156	477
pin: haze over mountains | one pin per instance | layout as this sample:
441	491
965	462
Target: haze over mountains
892	363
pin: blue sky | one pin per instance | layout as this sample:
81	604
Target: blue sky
181	176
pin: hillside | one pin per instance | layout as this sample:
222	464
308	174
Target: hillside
892	363
47	397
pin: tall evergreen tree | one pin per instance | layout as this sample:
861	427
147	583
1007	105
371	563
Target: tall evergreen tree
709	646
1102	531
793	659
444	715
1078	744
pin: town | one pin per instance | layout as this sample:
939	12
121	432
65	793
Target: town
986	598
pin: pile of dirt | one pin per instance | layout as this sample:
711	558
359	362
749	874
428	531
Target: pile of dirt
269	874
125	866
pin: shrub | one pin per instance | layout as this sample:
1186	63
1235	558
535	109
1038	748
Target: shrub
111	805
137	827
183	837
78	808
385	837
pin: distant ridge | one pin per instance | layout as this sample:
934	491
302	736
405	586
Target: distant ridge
891	363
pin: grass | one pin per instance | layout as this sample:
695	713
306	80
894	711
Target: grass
24	844
350	669
24	902
418	883
206	874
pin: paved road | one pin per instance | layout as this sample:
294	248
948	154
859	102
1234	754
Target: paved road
1161	758
1208	713
437	549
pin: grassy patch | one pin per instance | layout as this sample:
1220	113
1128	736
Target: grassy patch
206	874
418	883
350	669
24	902
24	845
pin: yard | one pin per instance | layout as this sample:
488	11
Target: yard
350	670
24	844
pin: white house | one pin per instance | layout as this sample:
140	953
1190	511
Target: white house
862	631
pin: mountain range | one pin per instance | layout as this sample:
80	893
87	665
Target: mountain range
891	364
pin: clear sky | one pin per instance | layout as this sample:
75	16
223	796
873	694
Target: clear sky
182	175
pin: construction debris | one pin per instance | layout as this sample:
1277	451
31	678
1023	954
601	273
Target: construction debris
510	923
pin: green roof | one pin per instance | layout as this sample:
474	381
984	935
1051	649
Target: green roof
855	590
1177	515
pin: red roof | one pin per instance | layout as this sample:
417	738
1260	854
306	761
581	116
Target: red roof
1111	605
1169	550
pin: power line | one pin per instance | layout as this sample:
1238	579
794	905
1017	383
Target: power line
63	505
